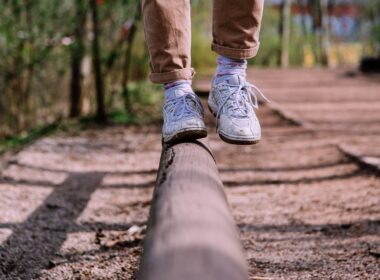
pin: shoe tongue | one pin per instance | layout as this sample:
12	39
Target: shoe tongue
235	80
178	91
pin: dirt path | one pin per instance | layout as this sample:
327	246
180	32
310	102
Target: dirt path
75	207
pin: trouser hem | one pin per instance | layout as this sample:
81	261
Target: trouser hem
235	52
172	76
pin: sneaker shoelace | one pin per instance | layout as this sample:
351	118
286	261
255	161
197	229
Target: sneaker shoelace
186	106
237	103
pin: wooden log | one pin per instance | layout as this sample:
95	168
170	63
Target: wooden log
191	233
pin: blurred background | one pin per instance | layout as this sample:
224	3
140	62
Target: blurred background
77	62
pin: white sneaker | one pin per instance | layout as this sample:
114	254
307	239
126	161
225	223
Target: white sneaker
232	100
183	118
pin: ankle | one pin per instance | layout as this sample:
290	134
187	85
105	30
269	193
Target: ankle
230	66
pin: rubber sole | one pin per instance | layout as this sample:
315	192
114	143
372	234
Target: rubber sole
187	135
238	142
233	141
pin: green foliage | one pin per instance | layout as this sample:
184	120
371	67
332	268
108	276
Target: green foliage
29	35
16	141
140	57
37	42
145	93
36	45
202	58
146	98
270	41
372	12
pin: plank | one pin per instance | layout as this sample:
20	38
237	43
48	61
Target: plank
191	232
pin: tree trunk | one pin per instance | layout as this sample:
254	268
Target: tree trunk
285	33
376	23
302	5
325	32
125	79
128	59
101	115
77	52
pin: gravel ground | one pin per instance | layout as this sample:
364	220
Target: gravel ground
76	206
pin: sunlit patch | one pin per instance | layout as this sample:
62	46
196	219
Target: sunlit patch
88	242
314	203
117	206
247	177
20	173
92	161
79	242
4	234
129	180
17	202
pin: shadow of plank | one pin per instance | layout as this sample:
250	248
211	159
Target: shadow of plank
34	242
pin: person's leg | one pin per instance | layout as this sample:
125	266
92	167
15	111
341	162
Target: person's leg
167	29
236	28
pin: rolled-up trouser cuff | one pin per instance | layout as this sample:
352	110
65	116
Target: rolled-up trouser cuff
172	76
235	53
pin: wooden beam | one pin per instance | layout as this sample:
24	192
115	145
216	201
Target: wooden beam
191	233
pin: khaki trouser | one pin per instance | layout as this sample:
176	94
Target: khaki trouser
236	26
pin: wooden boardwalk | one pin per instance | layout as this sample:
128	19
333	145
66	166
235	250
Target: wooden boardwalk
306	199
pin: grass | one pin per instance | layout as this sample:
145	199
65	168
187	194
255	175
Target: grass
67	126
145	97
17	141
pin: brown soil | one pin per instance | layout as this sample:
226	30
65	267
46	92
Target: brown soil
76	206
